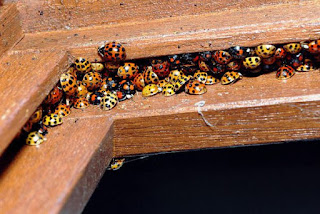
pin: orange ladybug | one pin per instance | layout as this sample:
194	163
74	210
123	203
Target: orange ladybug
113	51
128	70
92	80
195	87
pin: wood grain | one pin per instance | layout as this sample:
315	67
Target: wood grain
10	27
26	79
250	26
60	175
71	14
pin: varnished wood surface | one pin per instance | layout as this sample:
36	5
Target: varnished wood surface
26	79
189	33
10	27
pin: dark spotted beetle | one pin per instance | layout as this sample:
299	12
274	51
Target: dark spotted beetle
113	51
126	90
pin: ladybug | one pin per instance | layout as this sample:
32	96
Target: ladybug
81	103
200	76
230	77
37	115
174	61
97	66
234	66
269	61
295	60
239	52
111	67
138	81
195	87
149	76
52	120
162	69
285	72
293	48
204	65
111	83
174	76
218	68
82	90
62	110
307	66
181	81
82	65
222	57
113	51
211	80
96	97
265	51
92	80
188	69
168	90
161	84
72	71
27	126
35	138
116	164
109	101
252	62
150	90
127	88
190	59
268	68
205	56
314	47
54	96
42	129
128	70
280	53
68	84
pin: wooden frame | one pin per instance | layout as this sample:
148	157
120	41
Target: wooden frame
61	174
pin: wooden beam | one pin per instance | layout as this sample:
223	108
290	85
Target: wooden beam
192	33
26	79
10	27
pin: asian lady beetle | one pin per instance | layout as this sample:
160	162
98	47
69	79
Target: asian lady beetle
307	66
128	70
204	65
174	61
52	120
234	66
189	69
35	138
97	66
68	84
138	81
181	81
174	76
82	90
295	60
111	83
162	68
81	103
195	87
285	72
150	90
205	56
265	51
218	68
293	48
92	80
113	51
168	90
116	164
82	65
211	80
37	115
280	53
72	71
230	77
252	62
161	84
269	61
127	89
200	76
96	97
190	59
314	47
62	110
109	101
54	96
239	52
111	67
222	57
149	76
27	127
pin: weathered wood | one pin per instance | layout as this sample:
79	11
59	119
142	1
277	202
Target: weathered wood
51	15
250	26
26	79
10	27
61	174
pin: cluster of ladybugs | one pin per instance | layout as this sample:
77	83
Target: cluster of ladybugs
113	81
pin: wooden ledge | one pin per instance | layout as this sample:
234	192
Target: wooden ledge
69	165
192	33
